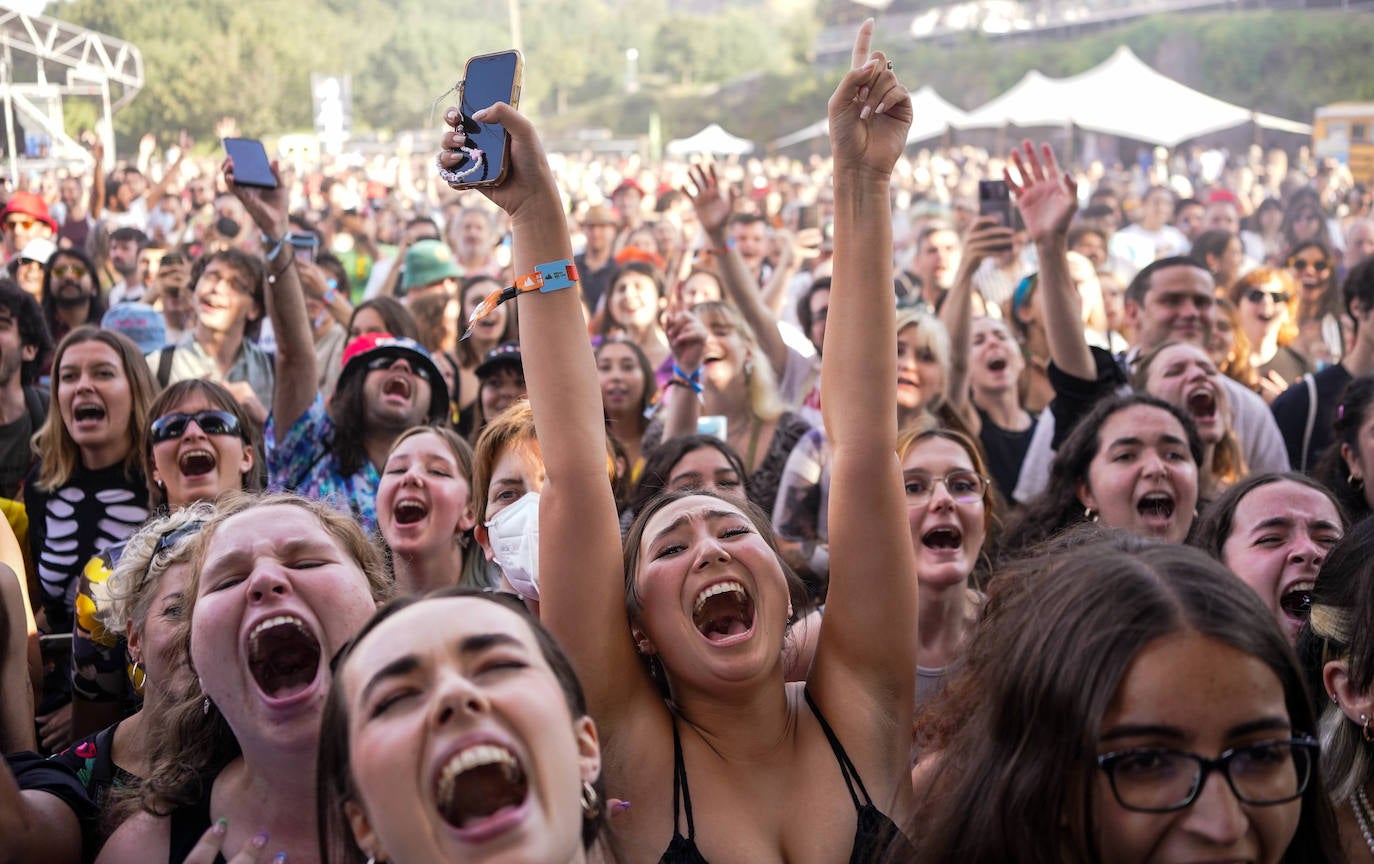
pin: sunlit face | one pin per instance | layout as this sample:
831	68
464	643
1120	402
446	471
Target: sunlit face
71	283
622	378
726	352
424	500
938	258
1157	207
920	377
707	469
1359	241
713	600
1222	216
519	470
1092	247
995	361
366	320
461	743
1177	305
947	534
750	240
198	466
224	297
278	595
1184	375
634	301
1312	269
1280	535
1196	694
493	324
701	288
1190	221
1143	478
1263	311
397	394
95	401
1307	224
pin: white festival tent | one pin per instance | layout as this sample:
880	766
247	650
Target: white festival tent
1121	96
712	139
932	115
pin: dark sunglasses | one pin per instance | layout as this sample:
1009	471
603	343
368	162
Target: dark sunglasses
170	427
61	271
1256	295
1302	264
386	361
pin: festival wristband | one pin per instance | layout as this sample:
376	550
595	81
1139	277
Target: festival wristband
694	378
277	244
554	276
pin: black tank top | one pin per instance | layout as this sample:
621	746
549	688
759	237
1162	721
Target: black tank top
187	825
876	838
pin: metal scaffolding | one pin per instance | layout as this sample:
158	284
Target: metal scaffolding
43	61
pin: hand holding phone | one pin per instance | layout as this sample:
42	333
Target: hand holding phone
251	165
485	156
994	202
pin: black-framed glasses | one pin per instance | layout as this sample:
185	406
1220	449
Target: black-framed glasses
1257	295
963	486
170	427
1302	265
386	361
1159	780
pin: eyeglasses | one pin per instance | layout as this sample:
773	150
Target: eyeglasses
170	427
1257	295
1161	781
963	486
386	361
21	222
1302	264
62	271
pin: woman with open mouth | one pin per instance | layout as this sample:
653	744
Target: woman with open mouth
633	310
424	511
1274	531
456	730
1320	337
1268	302
1136	698
200	445
493	329
88	492
720	759
278	584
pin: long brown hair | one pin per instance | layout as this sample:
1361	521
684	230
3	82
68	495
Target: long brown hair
54	443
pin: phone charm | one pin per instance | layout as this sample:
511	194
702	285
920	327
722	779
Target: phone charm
477	159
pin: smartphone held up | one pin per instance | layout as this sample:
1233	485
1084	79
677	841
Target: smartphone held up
251	165
485	158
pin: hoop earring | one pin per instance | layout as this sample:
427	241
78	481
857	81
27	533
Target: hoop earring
591	802
1366	732
1089	514
205	706
138	676
1353	482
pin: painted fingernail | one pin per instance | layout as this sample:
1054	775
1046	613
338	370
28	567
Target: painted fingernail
260	840
863	114
622	805
221	828
279	858
882	106
863	94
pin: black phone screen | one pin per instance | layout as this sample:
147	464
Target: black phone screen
995	200
486	81
251	167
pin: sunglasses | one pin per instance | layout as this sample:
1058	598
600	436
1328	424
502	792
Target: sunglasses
1302	264
1256	295
386	361
62	271
170	427
26	224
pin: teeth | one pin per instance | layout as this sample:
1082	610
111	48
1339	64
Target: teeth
472	757
718	588
278	621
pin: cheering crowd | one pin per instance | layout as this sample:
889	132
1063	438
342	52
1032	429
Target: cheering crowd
735	513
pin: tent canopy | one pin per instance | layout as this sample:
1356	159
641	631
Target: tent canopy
931	115
712	139
1120	96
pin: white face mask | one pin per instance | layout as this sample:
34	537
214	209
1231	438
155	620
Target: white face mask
514	538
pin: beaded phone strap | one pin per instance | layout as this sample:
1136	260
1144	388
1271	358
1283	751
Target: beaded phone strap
554	276
479	163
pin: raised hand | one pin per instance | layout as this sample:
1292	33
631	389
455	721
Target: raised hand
1046	196
712	201
268	207
687	339
870	112
529	181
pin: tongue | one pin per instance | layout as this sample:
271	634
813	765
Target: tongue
482	792
724	627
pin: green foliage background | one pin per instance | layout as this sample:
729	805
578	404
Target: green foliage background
746	66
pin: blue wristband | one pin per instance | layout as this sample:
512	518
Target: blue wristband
694	378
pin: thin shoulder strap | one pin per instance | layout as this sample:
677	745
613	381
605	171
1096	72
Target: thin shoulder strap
1311	383
680	782
847	769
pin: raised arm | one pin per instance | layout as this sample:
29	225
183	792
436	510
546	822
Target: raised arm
293	393
582	588
984	238
867	653
1047	199
714	203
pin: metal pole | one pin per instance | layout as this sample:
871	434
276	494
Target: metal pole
7	79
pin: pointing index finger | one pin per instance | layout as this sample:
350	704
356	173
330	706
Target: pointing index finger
862	43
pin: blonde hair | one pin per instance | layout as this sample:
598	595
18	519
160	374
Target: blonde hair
764	401
133	585
54	443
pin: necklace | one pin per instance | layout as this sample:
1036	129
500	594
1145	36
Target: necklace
1360	804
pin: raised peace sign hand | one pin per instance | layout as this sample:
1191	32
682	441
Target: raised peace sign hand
870	112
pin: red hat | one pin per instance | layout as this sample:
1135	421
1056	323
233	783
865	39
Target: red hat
628	183
29	204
